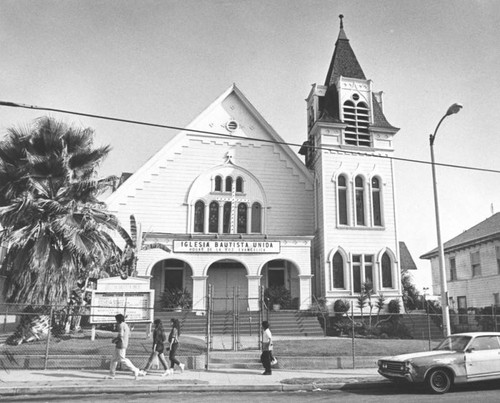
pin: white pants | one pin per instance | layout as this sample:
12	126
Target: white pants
119	357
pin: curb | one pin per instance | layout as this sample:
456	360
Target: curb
133	389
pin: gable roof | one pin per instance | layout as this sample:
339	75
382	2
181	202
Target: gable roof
479	233
405	258
168	149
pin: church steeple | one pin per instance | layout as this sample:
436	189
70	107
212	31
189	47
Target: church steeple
344	62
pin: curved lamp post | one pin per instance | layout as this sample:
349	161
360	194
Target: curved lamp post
455	108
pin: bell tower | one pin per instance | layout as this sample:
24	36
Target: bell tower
348	142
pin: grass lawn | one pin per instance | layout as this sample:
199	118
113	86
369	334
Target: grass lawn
337	346
80	344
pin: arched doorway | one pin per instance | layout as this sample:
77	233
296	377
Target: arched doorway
229	285
283	273
170	274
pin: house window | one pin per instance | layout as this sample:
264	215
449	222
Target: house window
462	310
242	218
497	250
475	264
213	217
362	268
218	184
453	269
496	299
356	116
239	184
386	271
229	184
342	199
360	200
377	210
338	271
226	223
256	218
199	216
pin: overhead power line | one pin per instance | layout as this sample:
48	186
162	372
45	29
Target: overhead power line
233	136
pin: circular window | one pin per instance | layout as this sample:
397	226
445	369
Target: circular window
355	96
232	125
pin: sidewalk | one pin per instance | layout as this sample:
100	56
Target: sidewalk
68	382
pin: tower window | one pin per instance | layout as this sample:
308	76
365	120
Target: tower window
360	200
226	224
357	118
377	210
386	271
338	271
342	200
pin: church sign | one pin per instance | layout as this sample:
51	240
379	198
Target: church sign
237	246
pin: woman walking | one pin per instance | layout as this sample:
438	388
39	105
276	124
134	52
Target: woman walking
159	338
173	339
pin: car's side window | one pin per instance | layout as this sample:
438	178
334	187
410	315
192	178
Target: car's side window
485	343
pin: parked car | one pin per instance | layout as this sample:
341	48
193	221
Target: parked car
459	358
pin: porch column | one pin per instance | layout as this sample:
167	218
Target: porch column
305	291
253	292
199	293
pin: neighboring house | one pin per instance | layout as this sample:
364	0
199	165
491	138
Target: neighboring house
241	210
472	262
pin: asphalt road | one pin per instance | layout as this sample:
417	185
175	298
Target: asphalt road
484	392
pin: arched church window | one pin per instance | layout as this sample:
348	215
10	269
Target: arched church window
386	271
213	217
357	118
226	222
342	199
360	200
199	216
229	184
239	184
218	184
242	218
256	218
338	271
376	201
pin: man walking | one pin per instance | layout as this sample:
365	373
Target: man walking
267	348
121	343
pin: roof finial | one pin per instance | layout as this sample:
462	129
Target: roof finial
341	22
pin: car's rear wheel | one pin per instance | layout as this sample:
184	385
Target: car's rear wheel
439	381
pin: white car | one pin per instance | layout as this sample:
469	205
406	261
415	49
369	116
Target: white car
459	358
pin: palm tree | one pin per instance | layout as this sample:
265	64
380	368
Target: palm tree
134	243
52	221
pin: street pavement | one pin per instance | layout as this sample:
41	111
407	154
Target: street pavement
78	382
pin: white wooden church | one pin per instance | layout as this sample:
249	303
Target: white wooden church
241	210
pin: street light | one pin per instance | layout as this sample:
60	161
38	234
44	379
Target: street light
455	108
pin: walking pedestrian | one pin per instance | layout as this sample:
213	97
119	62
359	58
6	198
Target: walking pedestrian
267	348
159	340
121	344
173	340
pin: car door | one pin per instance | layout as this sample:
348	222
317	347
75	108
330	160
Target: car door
483	357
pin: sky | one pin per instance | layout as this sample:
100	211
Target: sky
165	61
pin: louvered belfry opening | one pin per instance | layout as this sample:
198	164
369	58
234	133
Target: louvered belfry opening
357	118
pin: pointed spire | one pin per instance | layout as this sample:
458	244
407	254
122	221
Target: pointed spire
344	62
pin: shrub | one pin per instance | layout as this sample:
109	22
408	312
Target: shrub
340	307
278	295
394	306
176	298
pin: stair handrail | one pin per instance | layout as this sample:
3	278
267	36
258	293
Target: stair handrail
320	310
